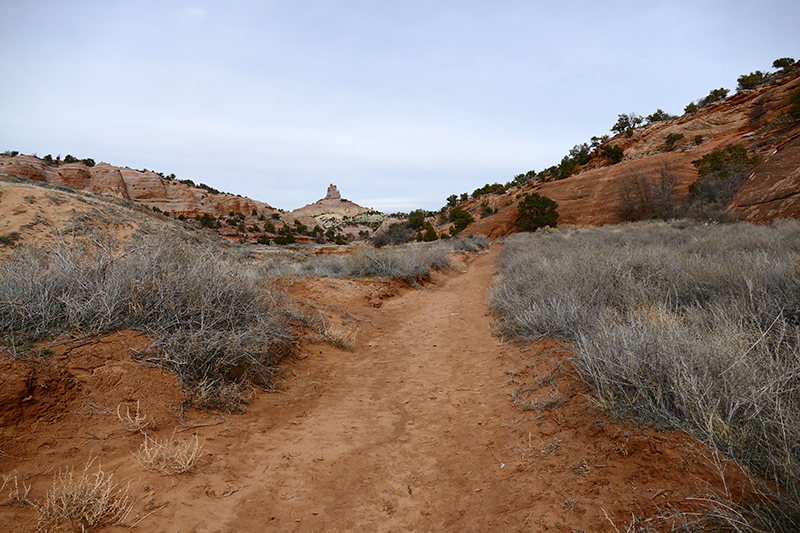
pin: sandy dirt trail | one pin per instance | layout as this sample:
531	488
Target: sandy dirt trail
411	431
402	440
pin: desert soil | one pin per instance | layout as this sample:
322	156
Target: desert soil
413	430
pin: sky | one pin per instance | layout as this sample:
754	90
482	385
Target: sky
398	103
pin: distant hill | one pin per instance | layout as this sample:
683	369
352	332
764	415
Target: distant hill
591	194
756	119
143	187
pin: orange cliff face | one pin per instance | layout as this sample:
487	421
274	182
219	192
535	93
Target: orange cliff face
142	187
755	119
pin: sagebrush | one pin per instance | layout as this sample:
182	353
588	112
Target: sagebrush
693	326
211	319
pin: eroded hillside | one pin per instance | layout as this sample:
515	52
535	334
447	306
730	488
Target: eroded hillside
756	119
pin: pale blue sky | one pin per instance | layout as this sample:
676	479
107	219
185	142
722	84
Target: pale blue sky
399	103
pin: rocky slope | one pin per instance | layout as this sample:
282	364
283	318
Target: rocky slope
755	119
141	187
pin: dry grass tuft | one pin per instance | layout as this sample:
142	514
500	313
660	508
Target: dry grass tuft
172	456
137	423
334	333
228	397
340	336
16	497
86	501
695	327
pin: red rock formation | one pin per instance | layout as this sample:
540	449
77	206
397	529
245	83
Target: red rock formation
332	205
755	119
146	188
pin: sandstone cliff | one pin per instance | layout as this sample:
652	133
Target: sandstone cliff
141	187
755	119
333	206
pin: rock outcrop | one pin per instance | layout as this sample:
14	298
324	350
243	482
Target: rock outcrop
756	119
332	206
142	187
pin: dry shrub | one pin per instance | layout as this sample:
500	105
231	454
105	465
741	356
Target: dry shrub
694	326
228	397
340	336
334	333
172	456
89	501
138	422
210	317
412	263
17	496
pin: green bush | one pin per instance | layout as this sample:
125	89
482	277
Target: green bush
716	95
460	219
494	188
627	123
786	64
536	211
794	110
613	153
691	108
750	81
207	221
416	219
486	210
659	116
284	239
429	235
671	139
722	173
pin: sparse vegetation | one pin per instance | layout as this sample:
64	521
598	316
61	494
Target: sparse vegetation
171	456
18	490
644	196
671	139
209	320
137	422
716	95
722	173
86	501
692	326
411	263
613	153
